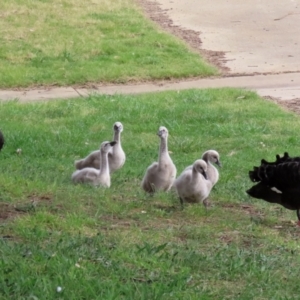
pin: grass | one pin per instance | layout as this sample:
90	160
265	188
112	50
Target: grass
75	42
119	243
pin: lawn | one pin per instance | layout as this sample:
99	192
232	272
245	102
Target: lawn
60	241
75	42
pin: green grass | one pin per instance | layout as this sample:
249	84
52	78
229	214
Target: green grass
119	243
82	42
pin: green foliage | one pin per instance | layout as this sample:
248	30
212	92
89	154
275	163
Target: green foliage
74	42
119	243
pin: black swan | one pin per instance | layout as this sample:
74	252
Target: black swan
278	182
1	140
254	174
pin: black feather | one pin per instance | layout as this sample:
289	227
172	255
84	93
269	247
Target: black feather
1	140
282	174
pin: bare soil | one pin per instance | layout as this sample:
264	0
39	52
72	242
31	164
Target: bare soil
291	105
11	211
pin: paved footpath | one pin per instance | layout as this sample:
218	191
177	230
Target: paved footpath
282	86
256	35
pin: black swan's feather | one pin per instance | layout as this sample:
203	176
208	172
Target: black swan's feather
278	182
1	140
289	199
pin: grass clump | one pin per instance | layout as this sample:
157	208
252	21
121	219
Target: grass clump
74	42
118	243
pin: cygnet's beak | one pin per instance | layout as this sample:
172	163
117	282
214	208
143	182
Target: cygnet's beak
117	128
112	143
204	174
219	163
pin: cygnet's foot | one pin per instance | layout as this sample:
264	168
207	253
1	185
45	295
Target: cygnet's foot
207	203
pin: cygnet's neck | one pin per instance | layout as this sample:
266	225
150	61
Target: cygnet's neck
205	157
196	174
104	167
163	149
117	136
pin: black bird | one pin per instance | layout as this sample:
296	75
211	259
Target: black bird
254	174
1	140
288	199
278	182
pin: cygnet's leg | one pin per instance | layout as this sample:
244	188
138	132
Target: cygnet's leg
206	204
181	202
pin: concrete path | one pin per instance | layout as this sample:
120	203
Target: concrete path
281	86
256	35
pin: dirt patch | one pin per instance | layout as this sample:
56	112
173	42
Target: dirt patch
7	211
290	105
154	12
245	208
39	198
112	222
10	211
239	238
